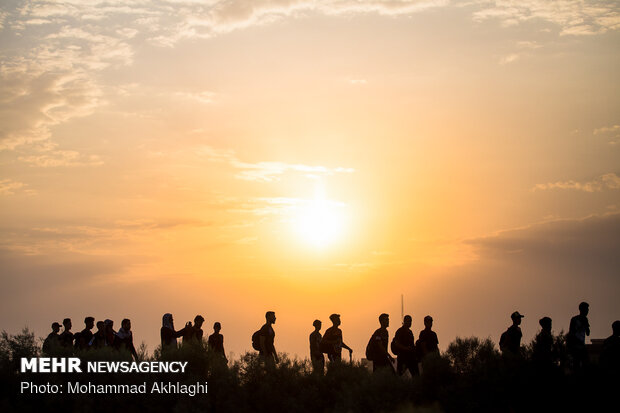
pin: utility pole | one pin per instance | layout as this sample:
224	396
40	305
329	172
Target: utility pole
402	308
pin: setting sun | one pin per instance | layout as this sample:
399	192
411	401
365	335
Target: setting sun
320	222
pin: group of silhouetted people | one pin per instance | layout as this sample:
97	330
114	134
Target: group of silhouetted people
409	352
192	335
68	343
544	349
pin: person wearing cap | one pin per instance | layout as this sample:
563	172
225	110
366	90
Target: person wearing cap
510	341
542	351
332	342
316	356
52	341
427	341
576	338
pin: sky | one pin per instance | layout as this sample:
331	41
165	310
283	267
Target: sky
227	158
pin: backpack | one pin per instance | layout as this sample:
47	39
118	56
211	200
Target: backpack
394	348
256	340
371	349
503	340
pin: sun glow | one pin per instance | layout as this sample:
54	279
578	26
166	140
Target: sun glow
320	222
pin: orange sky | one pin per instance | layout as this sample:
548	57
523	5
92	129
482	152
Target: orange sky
229	158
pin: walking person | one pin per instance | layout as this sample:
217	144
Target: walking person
510	340
332	342
377	349
576	338
403	345
316	356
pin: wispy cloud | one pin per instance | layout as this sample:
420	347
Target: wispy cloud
513	57
609	132
58	158
267	171
573	17
10	187
606	181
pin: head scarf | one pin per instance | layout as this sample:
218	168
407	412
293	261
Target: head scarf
166	321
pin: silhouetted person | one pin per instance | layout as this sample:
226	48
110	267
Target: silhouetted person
403	345
83	337
267	338
576	338
332	342
378	345
193	334
110	334
98	340
124	339
316	355
610	357
510	341
52	341
216	342
66	337
542	351
168	334
427	340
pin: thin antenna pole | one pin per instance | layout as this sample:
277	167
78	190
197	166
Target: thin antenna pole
402	308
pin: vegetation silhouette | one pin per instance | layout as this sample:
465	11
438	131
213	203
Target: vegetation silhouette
470	376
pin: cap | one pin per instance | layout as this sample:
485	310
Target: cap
55	324
516	315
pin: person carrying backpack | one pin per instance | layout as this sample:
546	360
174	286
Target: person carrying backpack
377	348
263	340
52	341
510	340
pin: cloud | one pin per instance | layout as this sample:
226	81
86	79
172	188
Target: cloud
97	239
609	132
574	17
573	247
267	171
58	158
10	187
53	76
204	97
509	59
606	181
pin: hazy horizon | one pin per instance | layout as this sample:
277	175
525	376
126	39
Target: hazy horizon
226	158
